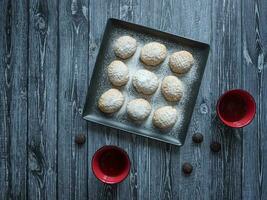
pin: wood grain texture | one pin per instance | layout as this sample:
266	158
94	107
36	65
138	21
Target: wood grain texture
13	80
72	80
4	124
42	100
226	167
47	54
254	62
5	52
148	151
196	25
160	154
130	143
99	135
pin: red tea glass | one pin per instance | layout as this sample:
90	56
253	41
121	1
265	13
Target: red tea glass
111	164
236	108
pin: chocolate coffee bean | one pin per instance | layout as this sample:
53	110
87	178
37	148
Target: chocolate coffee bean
197	138
187	168
215	146
80	139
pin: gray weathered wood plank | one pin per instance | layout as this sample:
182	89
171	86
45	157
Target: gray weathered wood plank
45	48
5	48
254	62
160	163
131	143
13	108
226	166
146	148
73	77
99	135
4	124
196	25
42	100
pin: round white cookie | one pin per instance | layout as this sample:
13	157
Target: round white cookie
181	62
138	109
165	117
118	73
153	53
145	82
124	47
110	101
172	88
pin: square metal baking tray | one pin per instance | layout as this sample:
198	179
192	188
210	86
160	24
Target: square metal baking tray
100	83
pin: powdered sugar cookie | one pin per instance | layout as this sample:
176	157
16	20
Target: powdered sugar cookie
153	53
172	88
110	101
181	62
138	109
125	47
145	82
118	73
165	117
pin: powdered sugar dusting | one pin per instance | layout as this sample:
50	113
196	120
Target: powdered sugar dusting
124	46
138	109
190	84
145	81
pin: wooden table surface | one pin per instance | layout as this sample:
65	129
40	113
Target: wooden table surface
47	53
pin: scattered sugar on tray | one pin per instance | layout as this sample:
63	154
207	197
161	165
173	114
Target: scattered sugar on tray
163	70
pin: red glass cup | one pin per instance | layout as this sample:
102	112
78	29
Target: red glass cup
236	108
111	164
